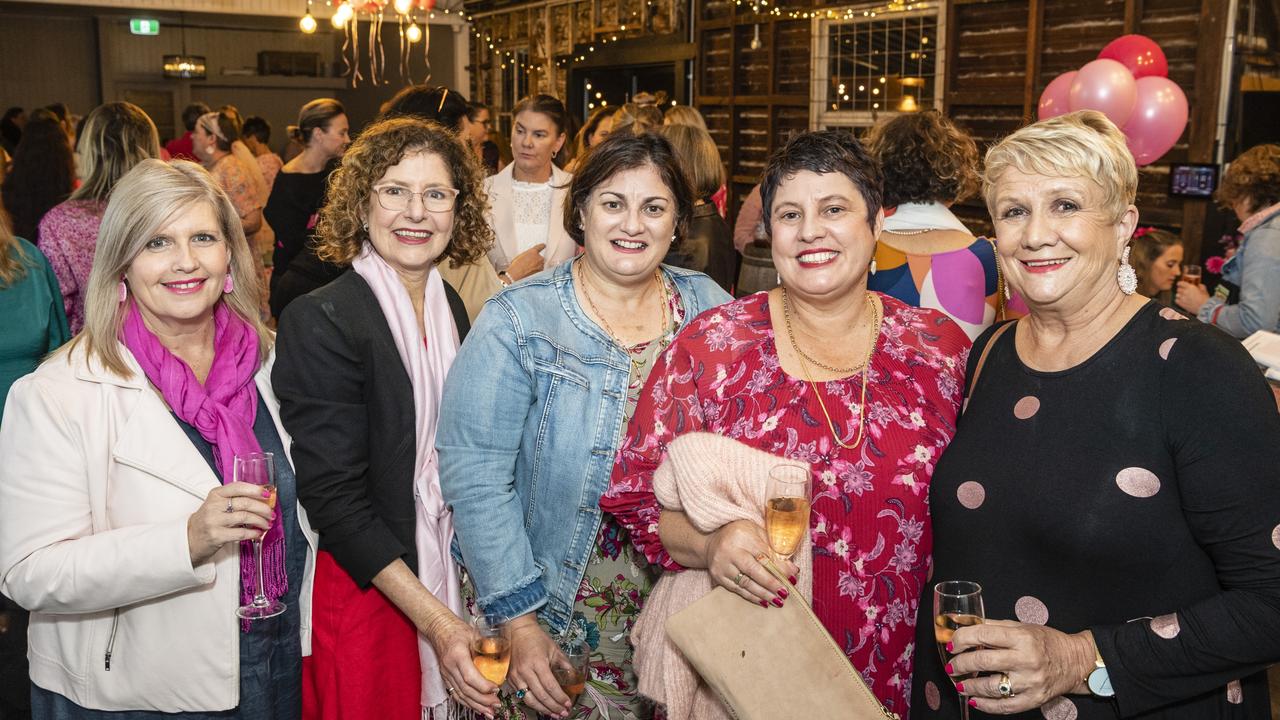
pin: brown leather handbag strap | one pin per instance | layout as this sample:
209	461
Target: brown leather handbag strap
982	360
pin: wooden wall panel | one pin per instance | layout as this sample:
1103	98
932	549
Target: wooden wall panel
987	56
752	71
751	144
791	58
716	63
49	59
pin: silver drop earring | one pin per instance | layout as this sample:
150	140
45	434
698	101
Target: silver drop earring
1125	275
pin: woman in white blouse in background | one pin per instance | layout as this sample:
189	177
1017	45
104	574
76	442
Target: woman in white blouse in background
527	198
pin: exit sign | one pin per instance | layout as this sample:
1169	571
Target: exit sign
143	26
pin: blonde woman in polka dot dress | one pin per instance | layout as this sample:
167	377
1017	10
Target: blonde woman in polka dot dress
1113	482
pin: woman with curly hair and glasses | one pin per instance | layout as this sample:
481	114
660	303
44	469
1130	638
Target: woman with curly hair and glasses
926	256
360	370
1248	298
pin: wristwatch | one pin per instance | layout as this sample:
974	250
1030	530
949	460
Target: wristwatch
1099	679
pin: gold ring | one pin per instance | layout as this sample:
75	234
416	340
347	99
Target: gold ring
738	580
1004	686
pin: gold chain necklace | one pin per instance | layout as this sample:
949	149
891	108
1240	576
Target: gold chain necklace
866	368
662	296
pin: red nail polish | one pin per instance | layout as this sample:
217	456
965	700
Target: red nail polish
973	703
951	647
266	493
782	594
959	687
792	578
764	604
777	602
949	670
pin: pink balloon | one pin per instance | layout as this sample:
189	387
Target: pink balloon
1105	86
1139	53
1056	100
1158	119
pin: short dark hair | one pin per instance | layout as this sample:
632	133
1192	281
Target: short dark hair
547	105
425	102
822	152
615	154
257	128
191	114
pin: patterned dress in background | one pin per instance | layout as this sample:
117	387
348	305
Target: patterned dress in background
618	579
68	238
869	525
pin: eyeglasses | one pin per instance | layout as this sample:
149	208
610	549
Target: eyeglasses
434	199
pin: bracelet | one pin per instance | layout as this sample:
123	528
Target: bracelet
505	278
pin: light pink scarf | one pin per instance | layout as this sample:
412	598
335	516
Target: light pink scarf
427	361
1256	219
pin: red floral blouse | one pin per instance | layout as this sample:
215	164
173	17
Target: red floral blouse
869	525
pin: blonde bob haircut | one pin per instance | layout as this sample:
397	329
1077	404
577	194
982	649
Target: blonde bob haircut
145	200
342	229
1082	144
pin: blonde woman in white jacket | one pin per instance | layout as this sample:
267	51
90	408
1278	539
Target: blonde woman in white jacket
120	527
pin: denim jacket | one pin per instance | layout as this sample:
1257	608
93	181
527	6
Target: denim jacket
1256	269
530	422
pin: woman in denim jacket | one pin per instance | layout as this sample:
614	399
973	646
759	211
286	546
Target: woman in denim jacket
1248	299
533	413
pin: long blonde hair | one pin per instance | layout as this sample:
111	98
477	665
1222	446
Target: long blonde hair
13	259
116	136
146	199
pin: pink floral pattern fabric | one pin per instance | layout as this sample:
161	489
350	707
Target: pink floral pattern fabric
270	164
68	237
869	526
234	179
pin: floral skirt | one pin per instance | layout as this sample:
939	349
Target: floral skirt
614	587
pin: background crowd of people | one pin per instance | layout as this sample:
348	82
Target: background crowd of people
470	376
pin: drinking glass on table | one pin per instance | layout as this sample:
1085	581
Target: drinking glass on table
786	512
258	469
490	649
573	678
1192	274
956	604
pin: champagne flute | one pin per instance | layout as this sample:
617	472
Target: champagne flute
786	512
490	649
258	469
956	604
573	679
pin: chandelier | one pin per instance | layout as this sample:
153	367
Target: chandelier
357	18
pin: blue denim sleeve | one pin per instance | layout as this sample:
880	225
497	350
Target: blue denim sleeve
482	414
1259	306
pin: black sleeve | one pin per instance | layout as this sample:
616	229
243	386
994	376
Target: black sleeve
1223	431
319	376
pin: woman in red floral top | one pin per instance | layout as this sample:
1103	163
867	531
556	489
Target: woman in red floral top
861	386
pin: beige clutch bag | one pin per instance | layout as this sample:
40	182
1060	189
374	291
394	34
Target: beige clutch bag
772	664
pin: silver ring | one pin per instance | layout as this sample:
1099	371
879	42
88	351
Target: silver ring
521	693
449	690
1004	686
738	580
228	510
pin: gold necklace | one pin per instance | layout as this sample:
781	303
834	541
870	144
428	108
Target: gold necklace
662	296
786	316
866	368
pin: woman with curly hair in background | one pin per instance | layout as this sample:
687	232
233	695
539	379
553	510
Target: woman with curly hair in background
926	256
1248	298
360	369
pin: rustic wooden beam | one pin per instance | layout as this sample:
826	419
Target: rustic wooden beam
1132	16
949	73
1204	115
793	100
1031	84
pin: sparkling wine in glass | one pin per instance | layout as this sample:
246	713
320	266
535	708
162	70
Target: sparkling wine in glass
956	604
258	469
573	679
786	512
490	649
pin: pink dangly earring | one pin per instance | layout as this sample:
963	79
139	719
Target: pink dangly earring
228	284
124	291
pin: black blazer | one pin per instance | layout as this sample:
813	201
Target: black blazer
347	402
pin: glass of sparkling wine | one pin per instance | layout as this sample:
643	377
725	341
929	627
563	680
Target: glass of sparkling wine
786	512
1192	274
573	678
258	469
490	649
956	604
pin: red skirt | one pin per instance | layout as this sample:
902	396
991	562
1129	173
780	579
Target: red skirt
364	653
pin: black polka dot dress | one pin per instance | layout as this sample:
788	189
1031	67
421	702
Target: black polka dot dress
1136	494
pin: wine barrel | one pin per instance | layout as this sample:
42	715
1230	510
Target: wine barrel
757	271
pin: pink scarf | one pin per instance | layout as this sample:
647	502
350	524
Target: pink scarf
1256	219
223	410
427	361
